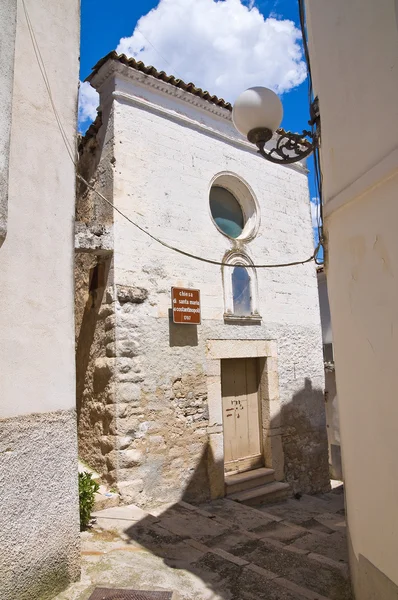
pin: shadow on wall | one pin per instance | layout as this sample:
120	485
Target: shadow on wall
173	535
95	414
368	582
182	336
179	533
304	439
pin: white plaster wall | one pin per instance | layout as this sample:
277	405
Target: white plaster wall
162	174
327	336
356	74
36	260
8	22
354	58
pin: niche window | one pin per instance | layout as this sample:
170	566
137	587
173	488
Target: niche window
241	293
240	288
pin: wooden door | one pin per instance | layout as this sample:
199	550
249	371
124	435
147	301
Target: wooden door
241	414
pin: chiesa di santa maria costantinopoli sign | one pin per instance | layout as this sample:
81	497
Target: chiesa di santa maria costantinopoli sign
186	306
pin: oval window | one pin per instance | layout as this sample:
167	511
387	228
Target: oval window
226	211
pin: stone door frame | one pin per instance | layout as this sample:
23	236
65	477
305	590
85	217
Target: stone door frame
266	352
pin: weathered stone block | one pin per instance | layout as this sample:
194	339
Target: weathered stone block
109	297
128	348
135	295
105	310
107	443
104	367
110	350
130	490
110	322
130	458
128	392
124	364
124	442
156	440
130	377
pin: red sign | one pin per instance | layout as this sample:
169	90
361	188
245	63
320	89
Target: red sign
186	306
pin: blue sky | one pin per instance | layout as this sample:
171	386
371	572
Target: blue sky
224	46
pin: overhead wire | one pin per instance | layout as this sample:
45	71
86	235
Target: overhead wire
91	187
161	55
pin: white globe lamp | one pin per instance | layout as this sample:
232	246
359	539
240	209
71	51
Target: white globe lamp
257	113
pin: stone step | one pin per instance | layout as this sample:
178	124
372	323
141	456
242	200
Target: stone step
248	480
269	492
307	574
104	498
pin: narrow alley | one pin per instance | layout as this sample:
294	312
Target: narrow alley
222	550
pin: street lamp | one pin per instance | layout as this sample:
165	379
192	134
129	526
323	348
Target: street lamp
257	114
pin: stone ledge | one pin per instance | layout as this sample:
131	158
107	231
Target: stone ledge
97	239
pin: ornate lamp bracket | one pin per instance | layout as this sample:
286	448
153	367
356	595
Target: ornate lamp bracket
290	147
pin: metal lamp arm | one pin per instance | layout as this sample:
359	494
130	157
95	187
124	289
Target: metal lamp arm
290	148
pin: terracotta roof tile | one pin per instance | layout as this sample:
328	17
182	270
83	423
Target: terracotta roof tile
161	75
179	83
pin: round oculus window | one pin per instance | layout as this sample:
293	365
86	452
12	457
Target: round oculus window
226	212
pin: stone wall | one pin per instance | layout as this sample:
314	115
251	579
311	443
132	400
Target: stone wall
94	370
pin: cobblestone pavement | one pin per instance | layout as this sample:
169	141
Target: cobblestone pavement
292	550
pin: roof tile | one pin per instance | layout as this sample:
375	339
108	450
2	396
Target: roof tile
150	70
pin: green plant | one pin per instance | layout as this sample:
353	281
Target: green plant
87	489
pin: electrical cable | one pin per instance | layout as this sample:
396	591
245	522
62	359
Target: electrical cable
161	55
139	227
183	252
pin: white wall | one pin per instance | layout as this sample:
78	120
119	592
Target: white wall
36	260
8	20
327	336
354	59
39	520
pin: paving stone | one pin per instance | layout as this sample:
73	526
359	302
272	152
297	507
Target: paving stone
293	511
322	502
297	568
325	560
281	532
216	552
228	556
231	540
239	583
333	546
298	589
260	571
317	526
187	524
333	521
239	515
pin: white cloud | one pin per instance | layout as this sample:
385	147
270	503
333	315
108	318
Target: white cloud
315	211
88	102
223	46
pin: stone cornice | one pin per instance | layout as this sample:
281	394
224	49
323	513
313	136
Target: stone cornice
113	68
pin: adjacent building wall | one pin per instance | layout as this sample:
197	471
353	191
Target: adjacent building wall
8	20
354	61
331	400
155	387
39	523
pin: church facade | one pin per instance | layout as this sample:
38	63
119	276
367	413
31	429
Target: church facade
179	403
